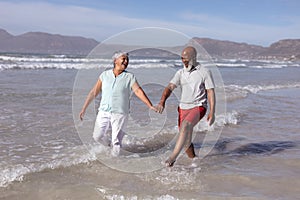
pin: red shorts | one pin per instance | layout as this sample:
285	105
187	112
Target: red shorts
193	115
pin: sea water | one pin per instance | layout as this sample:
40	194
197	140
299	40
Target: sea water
46	152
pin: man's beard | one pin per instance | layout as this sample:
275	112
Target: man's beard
189	67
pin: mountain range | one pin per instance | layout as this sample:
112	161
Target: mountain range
45	43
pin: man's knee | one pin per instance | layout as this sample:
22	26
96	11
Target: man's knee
186	125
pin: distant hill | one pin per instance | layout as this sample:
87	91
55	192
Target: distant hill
229	49
45	43
288	49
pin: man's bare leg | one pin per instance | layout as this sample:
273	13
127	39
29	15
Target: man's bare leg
185	133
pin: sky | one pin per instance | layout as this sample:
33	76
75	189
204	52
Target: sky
260	22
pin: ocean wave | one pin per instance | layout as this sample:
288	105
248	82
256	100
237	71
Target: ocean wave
62	58
271	66
221	120
79	66
113	194
65	62
75	156
236	91
231	65
256	64
7	63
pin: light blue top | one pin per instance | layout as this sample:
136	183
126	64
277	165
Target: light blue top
116	91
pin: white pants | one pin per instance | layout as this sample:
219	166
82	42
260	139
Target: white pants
116	121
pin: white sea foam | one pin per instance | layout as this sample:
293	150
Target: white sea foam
270	66
229	118
231	64
41	59
234	92
113	194
65	62
244	90
75	156
83	64
258	64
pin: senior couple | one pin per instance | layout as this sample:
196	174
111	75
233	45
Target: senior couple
197	89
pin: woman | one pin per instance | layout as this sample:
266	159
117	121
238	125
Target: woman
116	85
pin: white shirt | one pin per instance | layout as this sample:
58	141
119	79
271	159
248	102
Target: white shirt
193	86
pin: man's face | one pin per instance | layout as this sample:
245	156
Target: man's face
188	60
185	59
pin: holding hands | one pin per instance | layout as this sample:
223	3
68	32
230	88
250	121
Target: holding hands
160	108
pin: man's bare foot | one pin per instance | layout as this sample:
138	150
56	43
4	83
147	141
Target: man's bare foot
169	162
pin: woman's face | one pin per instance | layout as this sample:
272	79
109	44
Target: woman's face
122	62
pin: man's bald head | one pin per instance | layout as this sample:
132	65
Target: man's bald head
189	57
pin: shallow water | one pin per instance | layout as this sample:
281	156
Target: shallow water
256	155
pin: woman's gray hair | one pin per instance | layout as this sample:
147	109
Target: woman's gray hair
117	54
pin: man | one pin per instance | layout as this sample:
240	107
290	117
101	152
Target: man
197	87
116	85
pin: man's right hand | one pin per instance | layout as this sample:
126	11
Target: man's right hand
160	108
